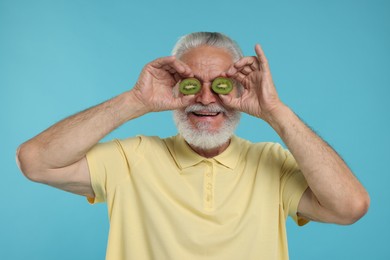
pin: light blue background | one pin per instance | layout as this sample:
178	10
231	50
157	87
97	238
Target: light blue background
330	62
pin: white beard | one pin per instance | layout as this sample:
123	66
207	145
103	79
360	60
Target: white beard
200	135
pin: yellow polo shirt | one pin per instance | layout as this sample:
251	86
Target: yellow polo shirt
167	202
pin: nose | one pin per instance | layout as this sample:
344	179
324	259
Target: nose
206	95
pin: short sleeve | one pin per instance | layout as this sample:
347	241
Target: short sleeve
293	185
108	166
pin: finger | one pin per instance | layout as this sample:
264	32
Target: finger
226	100
246	70
174	68
182	68
230	101
172	65
177	77
255	65
184	101
240	77
169	69
262	58
247	61
160	62
231	71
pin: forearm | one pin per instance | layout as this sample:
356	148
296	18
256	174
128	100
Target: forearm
329	178
334	194
69	140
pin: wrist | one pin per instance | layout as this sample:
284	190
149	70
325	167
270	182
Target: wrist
280	117
127	106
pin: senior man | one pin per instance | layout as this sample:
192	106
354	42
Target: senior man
204	193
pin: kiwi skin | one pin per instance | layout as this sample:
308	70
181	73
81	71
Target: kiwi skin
222	85
190	86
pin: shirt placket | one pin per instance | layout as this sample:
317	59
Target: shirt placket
209	186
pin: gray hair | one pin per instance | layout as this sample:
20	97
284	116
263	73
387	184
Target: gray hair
214	39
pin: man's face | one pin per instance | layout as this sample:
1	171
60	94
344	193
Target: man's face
207	116
208	63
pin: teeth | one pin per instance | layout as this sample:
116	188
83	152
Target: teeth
205	114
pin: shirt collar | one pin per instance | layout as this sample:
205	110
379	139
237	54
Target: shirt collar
186	157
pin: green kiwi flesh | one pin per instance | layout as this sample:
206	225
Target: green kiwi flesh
222	85
189	86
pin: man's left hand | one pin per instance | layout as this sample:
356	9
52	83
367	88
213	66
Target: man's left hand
259	97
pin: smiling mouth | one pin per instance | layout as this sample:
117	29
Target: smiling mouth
203	111
206	114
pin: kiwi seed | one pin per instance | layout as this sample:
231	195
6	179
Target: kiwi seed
189	86
222	85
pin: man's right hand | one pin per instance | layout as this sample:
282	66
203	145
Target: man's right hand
57	156
154	88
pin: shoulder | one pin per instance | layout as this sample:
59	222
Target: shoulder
131	145
267	149
140	141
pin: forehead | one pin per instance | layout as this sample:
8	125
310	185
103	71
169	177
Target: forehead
207	61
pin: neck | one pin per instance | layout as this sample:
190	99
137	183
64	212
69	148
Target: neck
209	153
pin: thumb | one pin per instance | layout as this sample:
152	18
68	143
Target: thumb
229	101
186	100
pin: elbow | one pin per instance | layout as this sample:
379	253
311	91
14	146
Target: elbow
355	210
361	207
25	160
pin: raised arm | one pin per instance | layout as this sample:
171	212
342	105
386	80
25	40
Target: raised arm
334	194
57	155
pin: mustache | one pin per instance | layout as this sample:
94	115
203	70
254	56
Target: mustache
212	108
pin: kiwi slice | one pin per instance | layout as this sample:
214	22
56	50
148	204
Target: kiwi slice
222	85
190	86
